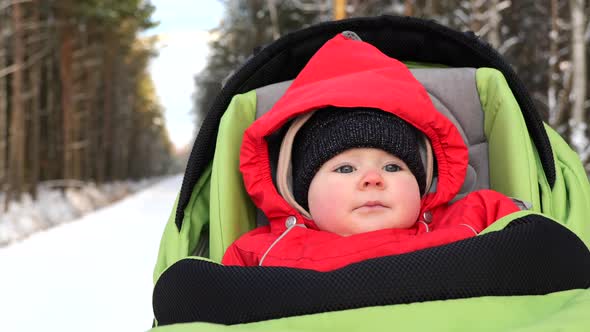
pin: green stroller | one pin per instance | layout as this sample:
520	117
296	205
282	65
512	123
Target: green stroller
529	271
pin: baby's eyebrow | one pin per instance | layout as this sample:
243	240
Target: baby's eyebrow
342	163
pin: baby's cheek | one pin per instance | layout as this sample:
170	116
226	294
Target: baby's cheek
329	197
325	207
409	197
319	206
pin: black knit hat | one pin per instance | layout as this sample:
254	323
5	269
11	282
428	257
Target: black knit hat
333	130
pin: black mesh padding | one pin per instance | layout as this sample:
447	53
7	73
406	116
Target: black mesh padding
532	256
404	38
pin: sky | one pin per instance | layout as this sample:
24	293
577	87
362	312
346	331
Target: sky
183	32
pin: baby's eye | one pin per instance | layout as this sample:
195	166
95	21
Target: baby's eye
392	168
344	169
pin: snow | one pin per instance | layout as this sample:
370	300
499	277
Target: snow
579	141
55	206
93	274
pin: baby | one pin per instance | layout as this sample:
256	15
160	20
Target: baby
350	182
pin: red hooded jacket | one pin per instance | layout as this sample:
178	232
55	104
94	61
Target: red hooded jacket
351	73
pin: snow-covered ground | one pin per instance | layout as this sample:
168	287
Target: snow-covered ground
57	202
93	274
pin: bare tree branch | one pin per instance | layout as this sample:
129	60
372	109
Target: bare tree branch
32	60
314	6
8	70
508	43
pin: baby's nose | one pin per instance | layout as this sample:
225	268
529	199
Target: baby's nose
372	179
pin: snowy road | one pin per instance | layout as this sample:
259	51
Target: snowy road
94	274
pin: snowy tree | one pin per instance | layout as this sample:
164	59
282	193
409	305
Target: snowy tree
544	41
247	26
578	121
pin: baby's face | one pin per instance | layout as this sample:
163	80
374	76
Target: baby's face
362	190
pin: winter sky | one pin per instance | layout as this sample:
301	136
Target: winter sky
183	32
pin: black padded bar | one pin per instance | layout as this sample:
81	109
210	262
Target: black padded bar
532	256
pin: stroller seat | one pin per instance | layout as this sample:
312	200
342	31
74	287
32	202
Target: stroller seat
537	258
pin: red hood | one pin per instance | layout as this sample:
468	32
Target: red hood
350	73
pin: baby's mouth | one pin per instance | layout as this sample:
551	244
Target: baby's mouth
372	205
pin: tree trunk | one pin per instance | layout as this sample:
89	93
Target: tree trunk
274	19
35	82
126	139
123	112
106	132
339	9
494	21
579	137
431	8
409	7
109	110
90	90
17	123
118	117
475	23
78	102
554	73
94	116
53	158
3	101
65	71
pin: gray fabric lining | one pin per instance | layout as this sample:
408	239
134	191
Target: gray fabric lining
456	89
453	92
268	95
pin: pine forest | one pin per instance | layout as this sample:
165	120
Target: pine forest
76	100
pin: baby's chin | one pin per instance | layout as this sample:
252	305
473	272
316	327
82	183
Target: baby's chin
368	227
